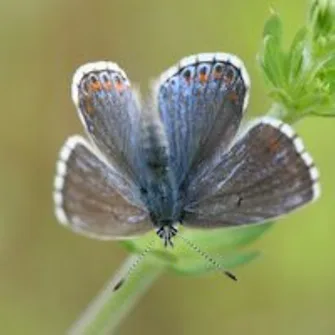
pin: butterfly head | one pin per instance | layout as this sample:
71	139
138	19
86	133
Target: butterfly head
166	233
165	227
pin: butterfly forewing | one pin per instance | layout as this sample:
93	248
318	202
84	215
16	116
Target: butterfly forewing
110	112
201	102
267	173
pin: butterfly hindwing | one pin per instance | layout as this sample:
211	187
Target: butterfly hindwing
266	173
91	199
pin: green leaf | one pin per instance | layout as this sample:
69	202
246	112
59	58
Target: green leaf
321	16
322	27
323	67
302	80
273	61
273	27
281	95
296	56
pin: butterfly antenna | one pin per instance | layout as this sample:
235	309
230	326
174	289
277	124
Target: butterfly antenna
133	265
207	257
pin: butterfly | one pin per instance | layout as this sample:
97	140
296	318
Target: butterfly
178	157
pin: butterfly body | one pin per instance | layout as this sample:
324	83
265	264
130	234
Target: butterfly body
180	157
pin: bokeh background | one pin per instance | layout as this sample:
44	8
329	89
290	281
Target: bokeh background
48	274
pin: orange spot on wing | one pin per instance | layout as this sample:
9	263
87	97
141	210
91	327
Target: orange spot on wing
88	106
233	97
107	85
119	86
203	77
273	144
96	86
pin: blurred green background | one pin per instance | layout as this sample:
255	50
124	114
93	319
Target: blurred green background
48	274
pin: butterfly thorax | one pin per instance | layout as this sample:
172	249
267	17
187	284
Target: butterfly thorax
166	233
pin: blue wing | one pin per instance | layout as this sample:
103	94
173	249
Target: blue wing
110	112
201	102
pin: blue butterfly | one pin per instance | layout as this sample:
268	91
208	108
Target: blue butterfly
178	157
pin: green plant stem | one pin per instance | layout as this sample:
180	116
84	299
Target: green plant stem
279	112
107	311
